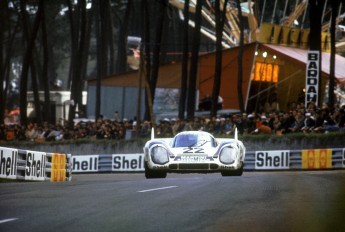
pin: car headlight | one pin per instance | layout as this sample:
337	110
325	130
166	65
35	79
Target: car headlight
228	155
159	155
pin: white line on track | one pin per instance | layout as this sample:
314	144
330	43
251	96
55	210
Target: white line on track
156	189
8	220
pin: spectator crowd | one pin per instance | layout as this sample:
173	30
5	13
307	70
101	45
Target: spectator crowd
299	119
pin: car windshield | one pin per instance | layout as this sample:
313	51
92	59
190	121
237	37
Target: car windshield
192	140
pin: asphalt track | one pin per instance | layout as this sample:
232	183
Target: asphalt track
257	201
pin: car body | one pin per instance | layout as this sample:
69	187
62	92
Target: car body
193	151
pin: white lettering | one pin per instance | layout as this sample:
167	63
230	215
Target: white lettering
312	75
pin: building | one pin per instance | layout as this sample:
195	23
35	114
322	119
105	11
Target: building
59	102
273	76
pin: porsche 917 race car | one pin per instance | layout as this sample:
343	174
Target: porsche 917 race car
193	151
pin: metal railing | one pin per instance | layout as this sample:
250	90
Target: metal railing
41	166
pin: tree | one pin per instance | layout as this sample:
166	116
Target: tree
162	8
220	20
194	62
96	9
27	60
103	32
335	5
147	59
121	63
185	52
240	58
45	65
79	20
5	59
152	72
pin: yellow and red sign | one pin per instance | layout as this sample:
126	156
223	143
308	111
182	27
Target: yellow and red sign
58	171
317	159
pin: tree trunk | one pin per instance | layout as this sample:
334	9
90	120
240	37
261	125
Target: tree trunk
146	44
185	55
122	45
46	108
5	73
331	86
3	19
35	90
104	20
78	22
110	39
194	62
220	20
27	58
240	59
99	59
157	49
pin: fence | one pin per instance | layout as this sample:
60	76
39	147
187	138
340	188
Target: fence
333	158
254	160
41	166
34	165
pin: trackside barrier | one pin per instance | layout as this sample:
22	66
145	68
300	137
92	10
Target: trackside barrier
332	158
34	165
108	163
41	166
254	160
60	167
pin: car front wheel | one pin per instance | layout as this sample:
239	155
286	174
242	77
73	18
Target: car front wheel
149	173
237	172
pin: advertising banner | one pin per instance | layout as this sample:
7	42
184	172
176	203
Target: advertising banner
85	163
312	75
316	158
128	162
35	168
58	171
8	163
272	159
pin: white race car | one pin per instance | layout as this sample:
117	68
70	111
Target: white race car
193	151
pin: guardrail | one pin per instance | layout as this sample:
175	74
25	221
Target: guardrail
108	163
333	158
34	165
41	166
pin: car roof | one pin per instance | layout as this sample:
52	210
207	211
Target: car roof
194	132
